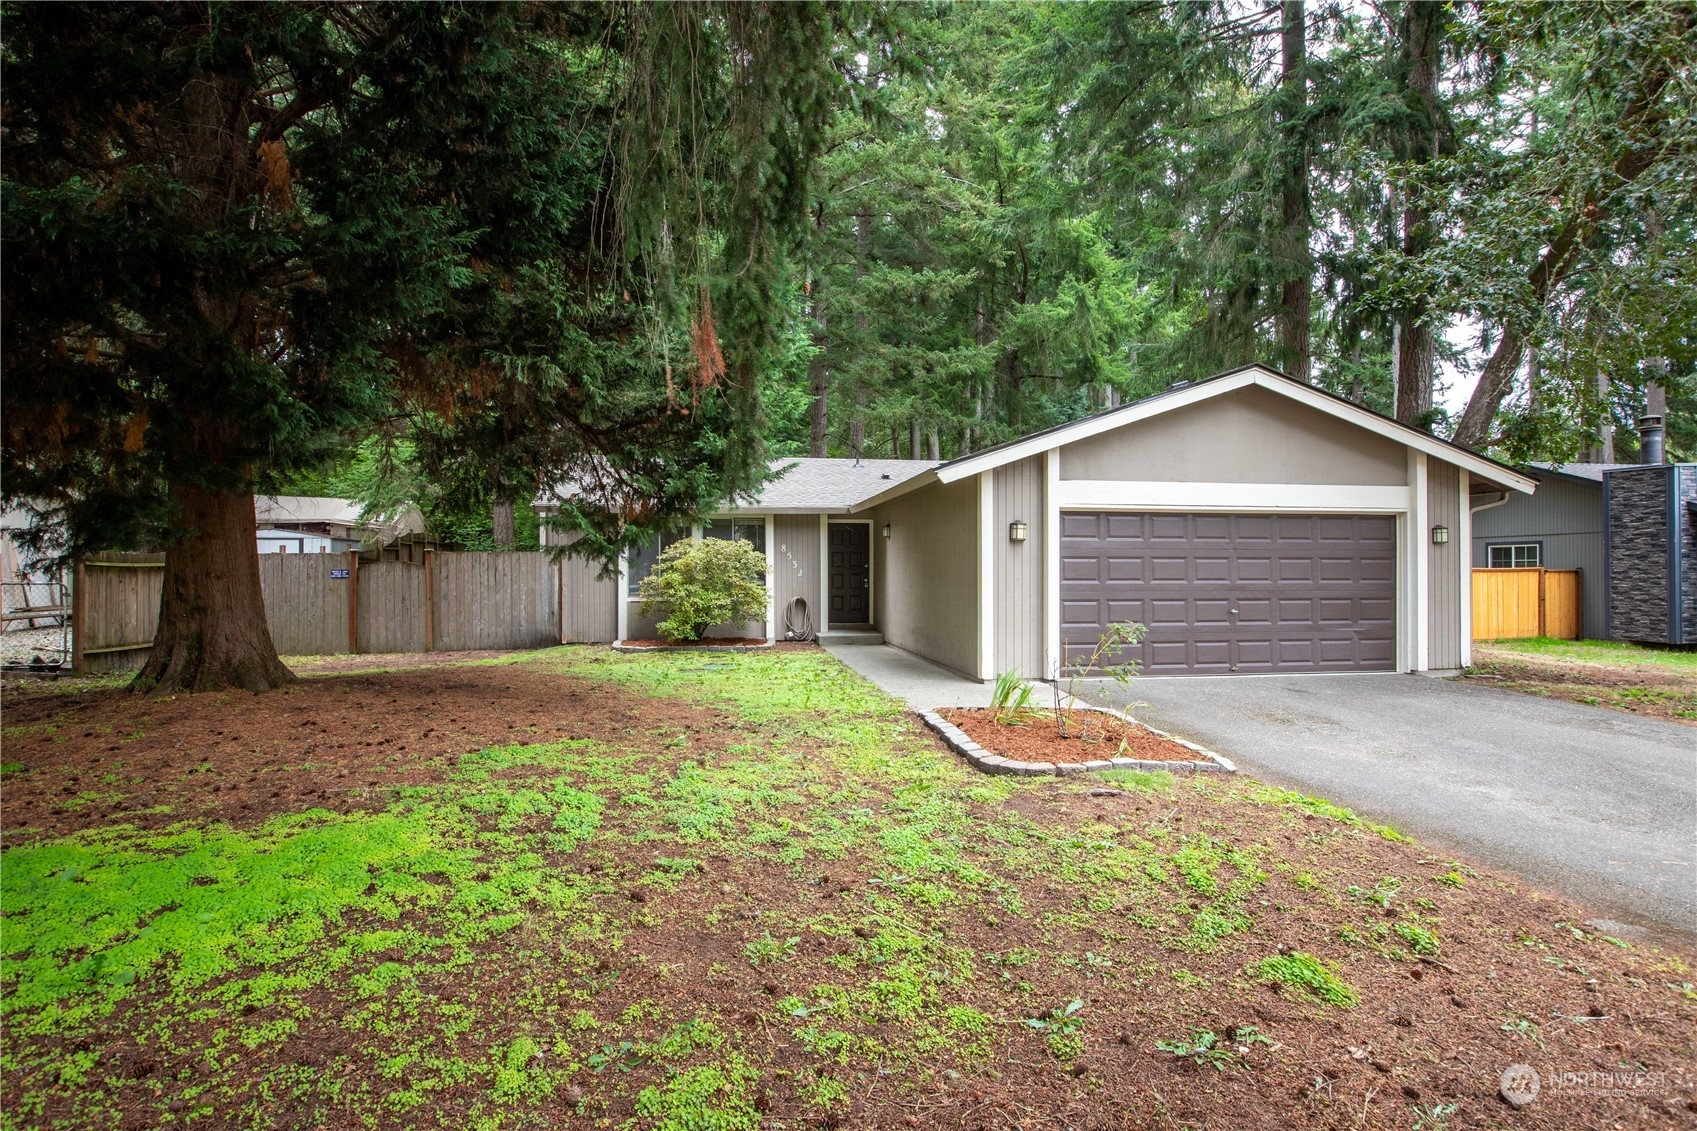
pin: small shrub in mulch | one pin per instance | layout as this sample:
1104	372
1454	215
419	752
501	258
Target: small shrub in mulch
1034	736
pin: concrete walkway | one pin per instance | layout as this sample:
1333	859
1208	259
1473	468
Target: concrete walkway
1598	805
924	685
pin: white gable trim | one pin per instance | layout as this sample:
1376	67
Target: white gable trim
1206	390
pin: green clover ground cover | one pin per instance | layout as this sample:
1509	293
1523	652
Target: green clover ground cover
765	910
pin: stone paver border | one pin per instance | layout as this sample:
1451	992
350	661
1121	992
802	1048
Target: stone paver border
981	759
621	646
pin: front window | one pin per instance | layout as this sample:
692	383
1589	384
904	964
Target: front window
639	562
1519	555
752	531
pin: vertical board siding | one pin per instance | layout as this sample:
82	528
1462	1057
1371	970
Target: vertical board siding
796	569
925	573
305	607
496	600
592	601
1565	518
1018	580
1443	568
391	607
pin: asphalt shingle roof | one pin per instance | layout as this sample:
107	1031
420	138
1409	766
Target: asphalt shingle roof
832	484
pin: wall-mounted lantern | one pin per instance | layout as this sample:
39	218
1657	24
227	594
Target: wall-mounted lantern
1016	531
886	530
1440	535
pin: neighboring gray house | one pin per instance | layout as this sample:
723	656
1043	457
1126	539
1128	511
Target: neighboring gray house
1560	527
1652	553
1252	522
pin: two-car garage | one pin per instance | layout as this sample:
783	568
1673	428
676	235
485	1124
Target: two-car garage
1233	593
1254	524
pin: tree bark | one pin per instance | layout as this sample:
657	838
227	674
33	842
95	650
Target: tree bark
819	373
1422	38
1644	123
502	520
934	444
212	632
1296	298
819	377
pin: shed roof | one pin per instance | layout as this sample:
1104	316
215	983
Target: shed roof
1588	471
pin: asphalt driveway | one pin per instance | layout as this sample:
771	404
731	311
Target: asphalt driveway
1587	802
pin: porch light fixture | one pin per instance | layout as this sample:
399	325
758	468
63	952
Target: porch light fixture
1016	531
886	530
1440	535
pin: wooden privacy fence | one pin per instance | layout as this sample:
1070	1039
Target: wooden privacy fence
319	604
1513	603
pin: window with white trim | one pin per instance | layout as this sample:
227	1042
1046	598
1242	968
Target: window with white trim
1516	555
638	563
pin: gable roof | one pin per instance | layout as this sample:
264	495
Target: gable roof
1183	396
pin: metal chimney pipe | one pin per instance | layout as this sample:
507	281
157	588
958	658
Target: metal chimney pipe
1650	432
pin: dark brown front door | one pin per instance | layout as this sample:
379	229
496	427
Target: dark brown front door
1225	593
848	576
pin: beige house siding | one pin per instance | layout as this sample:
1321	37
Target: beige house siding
1018	574
795	567
1248	436
1443	566
590	612
925	574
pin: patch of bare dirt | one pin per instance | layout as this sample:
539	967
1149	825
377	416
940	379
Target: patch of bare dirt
99	757
1034	736
1640	689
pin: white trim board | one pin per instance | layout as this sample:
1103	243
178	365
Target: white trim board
1294	498
1173	400
986	576
1217	386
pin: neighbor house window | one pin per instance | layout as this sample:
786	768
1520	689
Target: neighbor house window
1519	555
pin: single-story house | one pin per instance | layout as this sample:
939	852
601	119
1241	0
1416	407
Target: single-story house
275	541
1559	527
335	526
1254	524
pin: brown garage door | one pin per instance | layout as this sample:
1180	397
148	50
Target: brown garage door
1225	593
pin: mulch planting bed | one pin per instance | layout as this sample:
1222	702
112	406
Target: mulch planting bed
705	642
747	925
1091	736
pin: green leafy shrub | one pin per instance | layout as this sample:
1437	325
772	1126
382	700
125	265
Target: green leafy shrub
696	585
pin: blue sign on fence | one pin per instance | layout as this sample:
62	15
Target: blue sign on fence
338	575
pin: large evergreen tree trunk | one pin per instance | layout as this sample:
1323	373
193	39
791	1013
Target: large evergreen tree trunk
212	630
506	536
1422	36
819	379
1296	299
